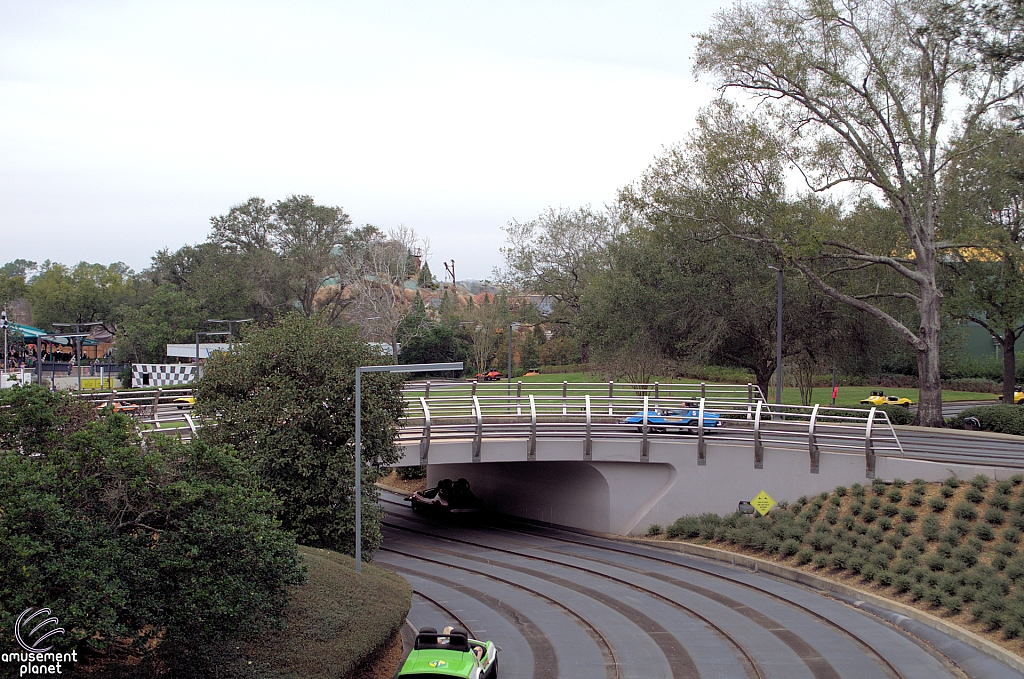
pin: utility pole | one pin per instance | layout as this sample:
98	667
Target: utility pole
3	324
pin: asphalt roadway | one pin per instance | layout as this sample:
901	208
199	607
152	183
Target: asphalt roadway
561	604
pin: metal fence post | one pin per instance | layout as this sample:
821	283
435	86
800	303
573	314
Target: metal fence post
758	447
531	452
812	443
645	444
426	389
703	390
519	395
425	438
156	407
565	390
702	451
869	450
588	449
473	390
657	394
750	398
611	389
113	397
478	439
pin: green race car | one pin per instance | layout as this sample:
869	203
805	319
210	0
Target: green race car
450	655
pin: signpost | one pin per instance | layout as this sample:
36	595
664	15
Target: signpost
762	502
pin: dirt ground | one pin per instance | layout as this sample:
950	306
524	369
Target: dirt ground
410	486
386	664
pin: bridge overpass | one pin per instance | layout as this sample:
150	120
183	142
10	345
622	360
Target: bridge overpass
569	458
561	452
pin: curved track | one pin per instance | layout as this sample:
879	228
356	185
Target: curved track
567	605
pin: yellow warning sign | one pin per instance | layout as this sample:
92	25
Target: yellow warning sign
763	502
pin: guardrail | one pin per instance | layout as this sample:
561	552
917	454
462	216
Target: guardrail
728	392
156	408
956	446
587	418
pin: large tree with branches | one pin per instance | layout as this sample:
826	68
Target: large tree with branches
863	94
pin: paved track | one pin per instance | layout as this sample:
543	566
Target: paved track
562	604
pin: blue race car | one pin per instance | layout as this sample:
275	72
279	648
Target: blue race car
664	420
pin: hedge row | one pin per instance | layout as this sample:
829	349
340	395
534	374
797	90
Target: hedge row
1003	418
955	547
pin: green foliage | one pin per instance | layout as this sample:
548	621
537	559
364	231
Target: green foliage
965	510
411	473
285	398
86	292
915	499
336	623
130	542
937	504
168	316
974	495
947	492
654	530
897	414
994	516
1003	418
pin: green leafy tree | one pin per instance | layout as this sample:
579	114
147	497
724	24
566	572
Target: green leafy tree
166	544
168	316
13	277
984	194
285	399
861	94
436	344
87	292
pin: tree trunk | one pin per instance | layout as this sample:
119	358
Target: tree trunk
763	375
929	409
1009	365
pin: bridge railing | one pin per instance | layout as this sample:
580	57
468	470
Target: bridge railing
728	392
588	418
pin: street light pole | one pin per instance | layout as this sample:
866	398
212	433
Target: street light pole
408	368
778	340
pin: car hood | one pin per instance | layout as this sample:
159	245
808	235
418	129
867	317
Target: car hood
436	661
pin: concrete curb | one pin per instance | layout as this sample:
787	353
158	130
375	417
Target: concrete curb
845	591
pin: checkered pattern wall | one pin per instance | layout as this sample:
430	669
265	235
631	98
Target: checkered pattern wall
161	375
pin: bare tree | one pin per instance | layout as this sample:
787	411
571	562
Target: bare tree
862	91
374	267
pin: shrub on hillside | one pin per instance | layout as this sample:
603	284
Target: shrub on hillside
1002	418
127	542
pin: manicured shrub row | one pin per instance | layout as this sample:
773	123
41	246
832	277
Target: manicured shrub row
1003	418
959	551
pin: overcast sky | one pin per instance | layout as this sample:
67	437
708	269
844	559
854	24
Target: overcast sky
124	126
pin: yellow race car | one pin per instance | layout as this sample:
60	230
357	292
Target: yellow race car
878	398
183	402
1018	395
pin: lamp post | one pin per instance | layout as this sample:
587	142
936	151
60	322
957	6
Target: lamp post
408	368
229	333
206	334
778	340
511	328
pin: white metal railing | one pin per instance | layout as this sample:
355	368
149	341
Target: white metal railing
587	417
730	392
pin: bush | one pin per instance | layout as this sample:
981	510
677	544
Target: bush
965	511
951	482
930	528
885	523
840	491
1012	535
974	495
127	542
915	499
857	490
654	530
874	503
908	515
686	527
890	509
894	495
1000	501
1003	418
302	371
868	515
897	414
937	504
994	516
411	473
804	556
985	532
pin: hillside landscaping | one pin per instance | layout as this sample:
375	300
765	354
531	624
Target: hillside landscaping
953	549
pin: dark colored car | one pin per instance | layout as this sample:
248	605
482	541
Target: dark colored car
446	497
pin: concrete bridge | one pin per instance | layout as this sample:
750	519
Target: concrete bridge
570	459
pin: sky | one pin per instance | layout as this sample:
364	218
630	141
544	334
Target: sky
124	126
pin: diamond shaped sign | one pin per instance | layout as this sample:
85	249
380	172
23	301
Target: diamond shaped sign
763	502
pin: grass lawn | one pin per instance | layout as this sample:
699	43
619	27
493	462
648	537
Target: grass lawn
335	622
550	385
